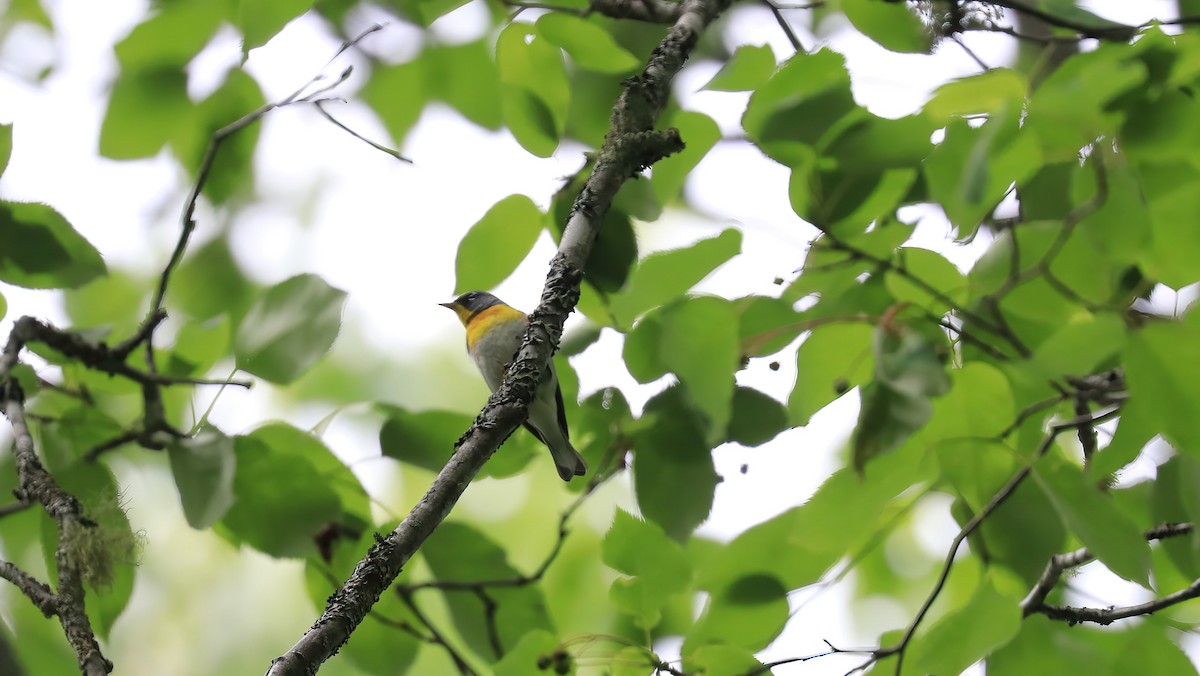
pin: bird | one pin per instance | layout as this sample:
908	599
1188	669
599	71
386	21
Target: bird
494	334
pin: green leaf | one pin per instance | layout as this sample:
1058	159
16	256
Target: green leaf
832	360
766	325
803	101
534	93
286	438
979	404
1135	429
1095	518
203	467
746	70
589	45
714	659
1160	365
699	134
198	346
892	24
497	243
232	168
209	282
935	271
116	301
642	353
970	633
528	654
5	146
41	249
171	37
29	10
261	20
673	473
457	552
426	439
147	108
466	77
664	275
428	11
1170	190
908	374
1072	106
3	306
289	327
281	500
974	167
748	613
657	568
398	94
800	545
756	418
1174	501
699	343
992	91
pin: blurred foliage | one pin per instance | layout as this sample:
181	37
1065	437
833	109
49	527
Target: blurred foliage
960	373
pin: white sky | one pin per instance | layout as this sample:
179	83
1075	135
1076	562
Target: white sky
387	232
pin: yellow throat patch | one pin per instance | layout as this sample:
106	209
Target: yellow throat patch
479	325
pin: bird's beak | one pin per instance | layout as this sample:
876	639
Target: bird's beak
449	305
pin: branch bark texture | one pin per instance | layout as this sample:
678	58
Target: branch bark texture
631	145
35	483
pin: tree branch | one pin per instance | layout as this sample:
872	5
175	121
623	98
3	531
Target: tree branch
37	591
630	145
1035	601
35	483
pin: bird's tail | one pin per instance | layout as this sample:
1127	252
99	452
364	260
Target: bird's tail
567	460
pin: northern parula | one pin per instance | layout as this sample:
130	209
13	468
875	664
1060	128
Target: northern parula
494	334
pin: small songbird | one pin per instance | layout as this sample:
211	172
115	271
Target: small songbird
494	334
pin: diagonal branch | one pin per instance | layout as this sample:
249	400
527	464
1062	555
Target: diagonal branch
630	145
37	591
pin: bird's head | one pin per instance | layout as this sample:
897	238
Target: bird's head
472	303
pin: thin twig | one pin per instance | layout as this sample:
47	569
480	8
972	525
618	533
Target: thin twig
34	589
188	221
784	25
381	148
1034	602
15	507
436	636
898	649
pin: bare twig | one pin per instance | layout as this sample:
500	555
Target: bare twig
319	103
206	164
436	637
37	591
898	649
784	25
20	505
1034	602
